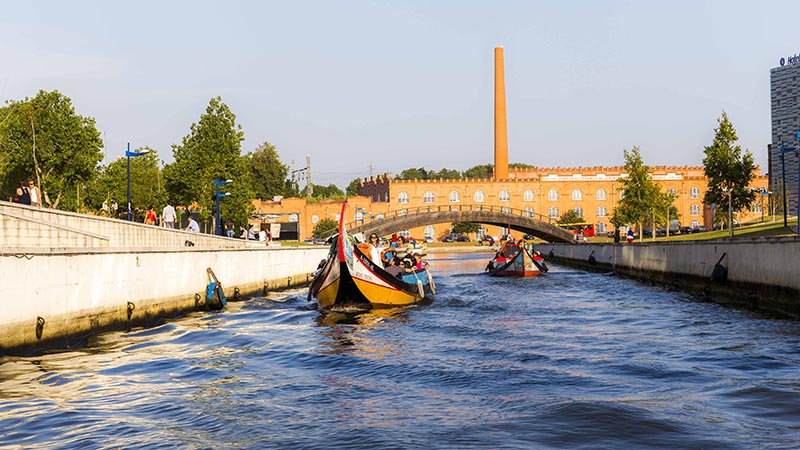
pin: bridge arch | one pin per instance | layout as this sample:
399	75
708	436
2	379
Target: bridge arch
515	219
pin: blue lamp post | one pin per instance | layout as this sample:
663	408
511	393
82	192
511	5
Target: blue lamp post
217	184
128	154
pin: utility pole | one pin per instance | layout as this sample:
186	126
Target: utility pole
310	190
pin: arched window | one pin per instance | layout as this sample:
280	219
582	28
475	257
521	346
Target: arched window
552	195
402	197
479	197
314	218
694	210
454	197
428	197
672	193
694	192
695	223
601	211
600	194
601	227
529	212
756	208
621	194
430	232
552	212
503	196
578	210
405	233
577	195
527	195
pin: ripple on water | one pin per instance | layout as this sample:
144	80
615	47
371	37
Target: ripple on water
565	360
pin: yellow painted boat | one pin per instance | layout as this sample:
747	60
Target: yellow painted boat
350	279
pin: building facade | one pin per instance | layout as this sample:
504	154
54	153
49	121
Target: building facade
783	152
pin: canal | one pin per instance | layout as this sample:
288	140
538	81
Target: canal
567	360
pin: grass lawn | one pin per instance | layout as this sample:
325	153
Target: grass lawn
747	230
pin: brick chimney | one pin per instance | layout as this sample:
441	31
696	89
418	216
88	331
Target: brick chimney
500	171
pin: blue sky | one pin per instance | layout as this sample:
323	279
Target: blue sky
392	85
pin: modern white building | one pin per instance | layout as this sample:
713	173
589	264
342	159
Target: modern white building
785	147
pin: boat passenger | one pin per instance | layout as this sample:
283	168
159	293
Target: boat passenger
420	263
375	249
394	267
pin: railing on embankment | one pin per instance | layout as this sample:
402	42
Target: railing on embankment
759	272
69	275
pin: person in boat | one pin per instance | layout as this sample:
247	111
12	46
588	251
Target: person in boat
498	260
394	268
420	264
320	266
375	249
408	265
388	254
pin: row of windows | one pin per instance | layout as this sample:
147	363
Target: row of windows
528	195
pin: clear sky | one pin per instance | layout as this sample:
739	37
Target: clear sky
388	85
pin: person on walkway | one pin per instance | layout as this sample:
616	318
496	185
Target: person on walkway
616	235
150	216
23	194
229	228
168	215
629	236
193	226
36	197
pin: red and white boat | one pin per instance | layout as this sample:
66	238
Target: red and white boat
516	259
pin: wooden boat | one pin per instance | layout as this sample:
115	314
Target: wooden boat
516	259
350	279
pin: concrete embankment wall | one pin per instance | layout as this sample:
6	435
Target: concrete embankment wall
54	297
761	272
65	275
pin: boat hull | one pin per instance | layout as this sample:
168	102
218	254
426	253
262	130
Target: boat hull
350	279
521	264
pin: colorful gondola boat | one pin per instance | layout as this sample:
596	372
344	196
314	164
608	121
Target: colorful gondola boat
516	259
350	279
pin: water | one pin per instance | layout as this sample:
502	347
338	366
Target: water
567	360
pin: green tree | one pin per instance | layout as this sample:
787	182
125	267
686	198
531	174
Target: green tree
267	172
465	227
111	184
325	228
729	171
352	188
328	192
480	172
45	140
570	216
413	174
444	174
641	193
212	151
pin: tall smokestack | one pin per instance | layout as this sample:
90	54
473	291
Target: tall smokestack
500	133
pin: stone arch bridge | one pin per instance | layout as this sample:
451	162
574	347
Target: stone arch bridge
515	219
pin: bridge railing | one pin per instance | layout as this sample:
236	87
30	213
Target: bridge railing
420	210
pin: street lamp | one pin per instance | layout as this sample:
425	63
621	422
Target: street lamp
729	191
129	154
763	192
217	184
